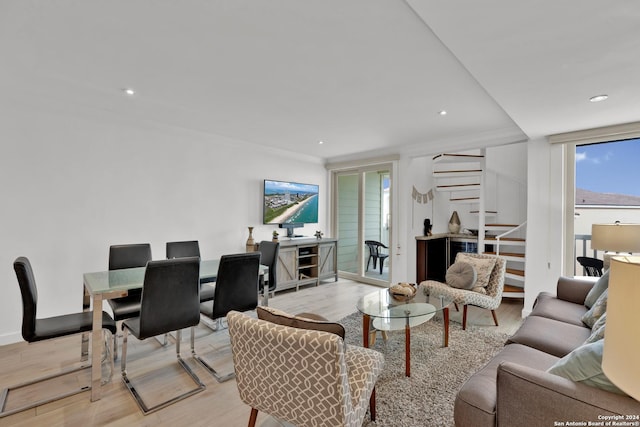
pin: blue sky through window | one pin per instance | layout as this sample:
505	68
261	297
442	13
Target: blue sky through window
612	167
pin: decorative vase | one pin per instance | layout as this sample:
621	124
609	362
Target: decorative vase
454	223
251	244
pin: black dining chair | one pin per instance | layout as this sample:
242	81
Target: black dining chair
120	257
34	330
188	249
592	266
170	302
376	253
236	289
269	251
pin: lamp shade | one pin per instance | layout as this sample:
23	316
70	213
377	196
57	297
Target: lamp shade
620	361
616	237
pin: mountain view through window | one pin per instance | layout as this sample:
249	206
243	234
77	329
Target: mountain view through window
608	173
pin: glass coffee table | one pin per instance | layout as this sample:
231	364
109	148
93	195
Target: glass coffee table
389	314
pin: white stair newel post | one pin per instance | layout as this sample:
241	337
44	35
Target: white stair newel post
482	208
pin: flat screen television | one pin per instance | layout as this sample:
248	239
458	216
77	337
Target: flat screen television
290	203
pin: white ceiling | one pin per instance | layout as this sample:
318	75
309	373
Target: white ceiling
367	77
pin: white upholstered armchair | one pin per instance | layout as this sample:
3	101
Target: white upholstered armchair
303	377
490	294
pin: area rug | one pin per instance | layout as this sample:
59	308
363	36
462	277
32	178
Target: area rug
426	398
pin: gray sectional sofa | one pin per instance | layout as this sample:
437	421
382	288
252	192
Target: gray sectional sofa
515	389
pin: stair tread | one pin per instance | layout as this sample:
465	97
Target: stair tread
486	212
513	254
512	289
458	171
476	184
506	239
464	198
501	225
515	272
457	157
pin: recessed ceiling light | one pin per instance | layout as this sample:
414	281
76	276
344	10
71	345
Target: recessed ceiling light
320	142
598	98
442	112
129	91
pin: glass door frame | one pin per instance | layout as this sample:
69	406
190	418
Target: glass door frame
360	171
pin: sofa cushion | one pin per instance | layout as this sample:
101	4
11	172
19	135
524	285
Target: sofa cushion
475	403
597	290
597	310
547	305
461	275
551	336
584	365
280	317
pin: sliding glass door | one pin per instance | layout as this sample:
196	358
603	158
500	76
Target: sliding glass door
362	215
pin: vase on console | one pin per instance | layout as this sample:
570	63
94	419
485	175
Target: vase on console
454	223
251	244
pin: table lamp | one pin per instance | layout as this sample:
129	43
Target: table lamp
622	331
615	237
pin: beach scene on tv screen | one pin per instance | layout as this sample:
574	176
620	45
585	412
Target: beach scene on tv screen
289	202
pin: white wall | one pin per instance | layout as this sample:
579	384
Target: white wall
545	243
73	184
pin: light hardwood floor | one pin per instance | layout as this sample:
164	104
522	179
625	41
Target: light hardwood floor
153	366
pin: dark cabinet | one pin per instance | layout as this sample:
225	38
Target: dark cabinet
434	255
431	259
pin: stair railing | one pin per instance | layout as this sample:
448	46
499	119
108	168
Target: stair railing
506	233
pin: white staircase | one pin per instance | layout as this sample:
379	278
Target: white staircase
509	243
462	176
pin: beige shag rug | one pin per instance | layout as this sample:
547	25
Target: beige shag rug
426	398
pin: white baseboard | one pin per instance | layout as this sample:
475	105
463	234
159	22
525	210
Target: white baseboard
11	338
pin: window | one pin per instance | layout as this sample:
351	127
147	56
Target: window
608	174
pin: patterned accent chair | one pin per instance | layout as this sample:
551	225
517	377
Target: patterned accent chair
314	380
490	301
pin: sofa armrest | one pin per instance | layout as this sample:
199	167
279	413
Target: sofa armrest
528	396
573	290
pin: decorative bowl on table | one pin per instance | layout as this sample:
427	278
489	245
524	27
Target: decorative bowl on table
403	291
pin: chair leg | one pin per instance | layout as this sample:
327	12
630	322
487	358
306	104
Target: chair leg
381	265
253	417
495	317
372	405
464	317
138	398
207	366
4	393
455	304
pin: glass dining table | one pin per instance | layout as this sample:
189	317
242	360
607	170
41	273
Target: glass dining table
104	285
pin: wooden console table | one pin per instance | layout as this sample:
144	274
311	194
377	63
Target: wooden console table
306	261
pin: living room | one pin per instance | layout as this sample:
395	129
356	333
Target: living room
86	165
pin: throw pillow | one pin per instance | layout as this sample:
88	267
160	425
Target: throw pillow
596	335
597	290
584	365
279	317
597	331
483	267
596	311
461	275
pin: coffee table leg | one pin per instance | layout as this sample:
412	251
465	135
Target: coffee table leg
407	349
366	321
445	337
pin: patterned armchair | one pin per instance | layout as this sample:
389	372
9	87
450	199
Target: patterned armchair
490	301
304	377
